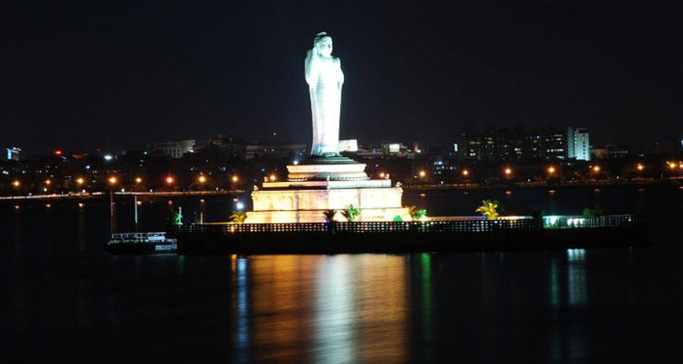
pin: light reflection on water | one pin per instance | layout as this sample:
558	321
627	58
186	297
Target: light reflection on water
66	298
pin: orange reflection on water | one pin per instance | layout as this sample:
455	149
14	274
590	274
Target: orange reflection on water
321	308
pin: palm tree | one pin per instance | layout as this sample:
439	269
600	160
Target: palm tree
489	208
329	215
238	217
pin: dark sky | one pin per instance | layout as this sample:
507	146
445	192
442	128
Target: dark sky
121	74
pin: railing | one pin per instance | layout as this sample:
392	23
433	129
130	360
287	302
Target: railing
433	226
574	222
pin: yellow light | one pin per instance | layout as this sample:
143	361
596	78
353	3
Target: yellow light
113	180
16	183
16	207
508	171
596	169
235	178
169	180
551	169
202	179
139	203
80	180
48	205
138	180
465	172
48	182
80	205
423	173
672	165
640	167
381	174
273	178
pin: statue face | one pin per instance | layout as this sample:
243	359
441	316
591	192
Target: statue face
325	46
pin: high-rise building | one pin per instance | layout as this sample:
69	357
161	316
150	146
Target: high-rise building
578	144
12	153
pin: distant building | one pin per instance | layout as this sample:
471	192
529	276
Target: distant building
578	144
276	151
12	154
348	145
225	144
175	149
555	144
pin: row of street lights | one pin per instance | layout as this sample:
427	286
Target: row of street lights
507	171
113	180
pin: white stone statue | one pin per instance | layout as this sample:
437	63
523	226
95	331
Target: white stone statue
325	79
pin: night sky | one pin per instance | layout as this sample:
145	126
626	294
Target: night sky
81	75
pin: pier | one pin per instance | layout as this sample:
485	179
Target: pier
455	234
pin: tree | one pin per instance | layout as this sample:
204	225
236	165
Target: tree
329	215
597	211
351	213
238	217
489	208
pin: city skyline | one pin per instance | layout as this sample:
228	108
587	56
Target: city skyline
120	76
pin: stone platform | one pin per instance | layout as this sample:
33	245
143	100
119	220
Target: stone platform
321	184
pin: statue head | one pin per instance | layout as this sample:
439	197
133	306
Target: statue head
323	43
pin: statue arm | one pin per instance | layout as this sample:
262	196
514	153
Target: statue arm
309	67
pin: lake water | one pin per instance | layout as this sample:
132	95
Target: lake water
64	297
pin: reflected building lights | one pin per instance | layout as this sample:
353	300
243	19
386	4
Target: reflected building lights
334	312
242	322
576	277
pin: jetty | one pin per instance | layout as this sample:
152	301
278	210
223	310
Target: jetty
454	234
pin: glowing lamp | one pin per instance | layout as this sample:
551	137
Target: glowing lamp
169	180
551	169
113	180
235	179
596	169
640	167
202	179
80	181
465	172
422	174
273	178
138	180
16	183
508	171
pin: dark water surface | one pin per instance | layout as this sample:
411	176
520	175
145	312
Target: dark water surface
65	298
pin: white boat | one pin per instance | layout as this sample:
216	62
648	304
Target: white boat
142	242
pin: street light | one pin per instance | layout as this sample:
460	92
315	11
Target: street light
112	181
596	169
16	183
138	180
273	178
202	179
169	180
551	170
80	181
423	174
235	179
507	171
640	167
465	173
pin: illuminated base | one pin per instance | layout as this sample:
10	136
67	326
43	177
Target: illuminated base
320	184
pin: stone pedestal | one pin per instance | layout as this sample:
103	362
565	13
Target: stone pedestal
322	184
